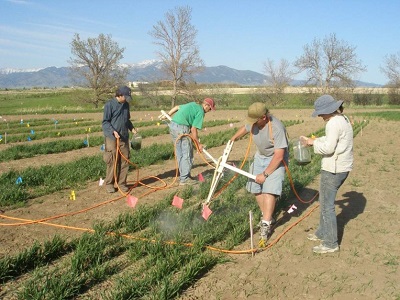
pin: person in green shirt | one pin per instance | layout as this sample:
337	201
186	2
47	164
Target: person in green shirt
187	119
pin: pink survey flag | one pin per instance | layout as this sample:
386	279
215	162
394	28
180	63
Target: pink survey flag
131	201
206	212
101	181
201	178
177	202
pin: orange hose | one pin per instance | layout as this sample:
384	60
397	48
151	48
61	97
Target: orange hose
153	189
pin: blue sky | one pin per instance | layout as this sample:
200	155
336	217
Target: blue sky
238	34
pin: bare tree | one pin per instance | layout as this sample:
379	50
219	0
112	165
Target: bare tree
94	64
178	52
392	72
392	69
329	63
278	77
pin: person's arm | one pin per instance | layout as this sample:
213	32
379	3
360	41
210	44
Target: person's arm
273	165
241	132
106	124
173	110
131	127
327	144
194	133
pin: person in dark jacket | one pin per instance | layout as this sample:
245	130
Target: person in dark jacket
117	125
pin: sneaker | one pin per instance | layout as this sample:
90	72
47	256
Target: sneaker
188	181
110	189
323	249
261	222
313	237
266	230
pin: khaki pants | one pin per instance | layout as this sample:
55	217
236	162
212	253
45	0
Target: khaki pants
122	165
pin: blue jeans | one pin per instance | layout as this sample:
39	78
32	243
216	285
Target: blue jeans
329	186
183	149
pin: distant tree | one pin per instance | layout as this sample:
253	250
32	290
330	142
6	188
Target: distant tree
94	64
278	77
329	63
392	69
178	52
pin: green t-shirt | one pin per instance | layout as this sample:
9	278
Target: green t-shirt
189	114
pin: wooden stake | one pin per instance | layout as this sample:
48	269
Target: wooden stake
251	232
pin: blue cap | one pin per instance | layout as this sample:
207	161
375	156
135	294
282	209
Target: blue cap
124	90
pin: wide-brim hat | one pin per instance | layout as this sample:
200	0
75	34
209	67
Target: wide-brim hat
326	105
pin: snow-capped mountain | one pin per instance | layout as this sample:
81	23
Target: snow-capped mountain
149	70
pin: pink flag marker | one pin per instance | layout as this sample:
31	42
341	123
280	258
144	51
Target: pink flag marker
131	201
201	178
206	212
177	202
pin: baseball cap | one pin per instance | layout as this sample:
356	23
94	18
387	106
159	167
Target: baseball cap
124	90
210	102
256	111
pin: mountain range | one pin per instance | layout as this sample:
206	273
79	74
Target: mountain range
146	71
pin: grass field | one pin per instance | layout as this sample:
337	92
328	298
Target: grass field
97	246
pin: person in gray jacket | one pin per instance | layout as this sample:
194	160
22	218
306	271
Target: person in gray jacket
117	125
336	148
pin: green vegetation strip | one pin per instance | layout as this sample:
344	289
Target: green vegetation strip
30	150
140	268
387	115
41	181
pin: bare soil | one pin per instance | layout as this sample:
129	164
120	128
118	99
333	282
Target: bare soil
367	266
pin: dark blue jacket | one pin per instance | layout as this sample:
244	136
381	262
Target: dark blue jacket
117	117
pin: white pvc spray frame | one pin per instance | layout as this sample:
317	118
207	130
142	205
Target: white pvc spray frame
220	164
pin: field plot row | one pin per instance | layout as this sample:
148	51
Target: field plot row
152	252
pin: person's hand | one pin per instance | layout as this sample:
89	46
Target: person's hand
116	134
307	141
303	140
260	178
162	117
134	131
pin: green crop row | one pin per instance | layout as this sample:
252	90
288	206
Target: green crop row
37	182
166	251
30	150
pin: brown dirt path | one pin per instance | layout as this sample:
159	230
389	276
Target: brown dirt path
367	267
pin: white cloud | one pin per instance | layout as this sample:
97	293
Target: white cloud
23	2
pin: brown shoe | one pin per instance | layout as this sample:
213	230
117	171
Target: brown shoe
124	188
110	189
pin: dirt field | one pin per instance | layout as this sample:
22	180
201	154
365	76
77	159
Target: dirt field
367	266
